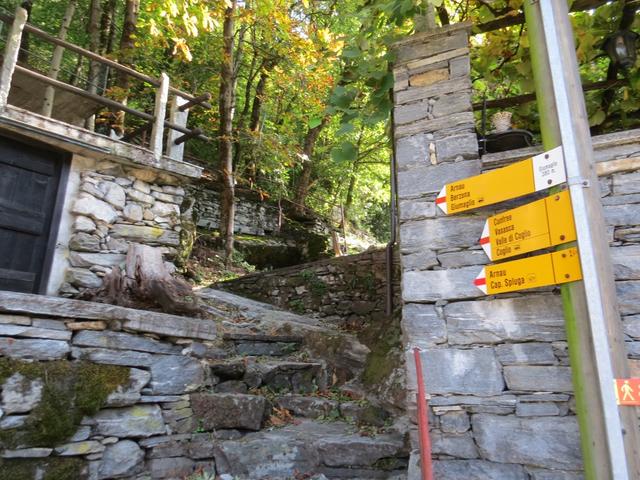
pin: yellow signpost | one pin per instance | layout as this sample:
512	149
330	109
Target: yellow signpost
521	178
540	224
539	271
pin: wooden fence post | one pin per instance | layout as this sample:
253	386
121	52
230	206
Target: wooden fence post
11	51
159	114
178	117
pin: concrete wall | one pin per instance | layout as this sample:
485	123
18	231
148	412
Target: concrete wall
496	367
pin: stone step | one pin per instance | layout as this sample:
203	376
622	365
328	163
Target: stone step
308	447
333	408
242	374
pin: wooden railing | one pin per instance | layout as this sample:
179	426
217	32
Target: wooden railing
179	105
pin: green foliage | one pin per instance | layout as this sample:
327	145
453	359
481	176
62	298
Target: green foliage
327	66
316	286
71	391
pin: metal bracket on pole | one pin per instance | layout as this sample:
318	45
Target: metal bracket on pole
580	181
11	51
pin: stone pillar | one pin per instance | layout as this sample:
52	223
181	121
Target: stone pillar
496	368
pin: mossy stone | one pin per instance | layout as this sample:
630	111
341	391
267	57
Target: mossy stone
71	391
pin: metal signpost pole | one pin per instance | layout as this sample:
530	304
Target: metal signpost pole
606	344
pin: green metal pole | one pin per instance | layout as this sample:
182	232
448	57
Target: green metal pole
592	438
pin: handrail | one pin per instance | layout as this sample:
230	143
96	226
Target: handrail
98	58
105	101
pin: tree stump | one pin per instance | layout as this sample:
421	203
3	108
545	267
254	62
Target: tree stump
146	282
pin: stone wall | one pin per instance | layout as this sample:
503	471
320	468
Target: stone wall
94	392
496	367
350	291
108	206
253	217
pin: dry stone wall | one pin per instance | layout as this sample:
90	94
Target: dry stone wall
349	291
113	206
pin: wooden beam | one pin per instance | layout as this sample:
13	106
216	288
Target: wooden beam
530	97
517	18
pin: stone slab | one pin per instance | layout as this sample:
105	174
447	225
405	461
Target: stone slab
33	332
123	341
136	421
534	318
538	378
174	374
33	349
626	262
114	357
526	354
422	325
441	232
227	410
424	179
146	235
477	470
136	320
457	371
547	442
434	285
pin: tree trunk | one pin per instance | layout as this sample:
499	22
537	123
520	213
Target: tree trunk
56	60
127	45
256	112
226	102
304	181
93	29
106	38
23	54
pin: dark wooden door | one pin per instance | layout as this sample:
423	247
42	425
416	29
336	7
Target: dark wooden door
30	179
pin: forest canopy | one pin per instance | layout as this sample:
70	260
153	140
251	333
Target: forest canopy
301	88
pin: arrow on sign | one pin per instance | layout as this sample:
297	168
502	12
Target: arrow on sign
515	180
536	225
539	271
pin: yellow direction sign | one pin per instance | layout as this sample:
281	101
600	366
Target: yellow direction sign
540	224
539	271
521	178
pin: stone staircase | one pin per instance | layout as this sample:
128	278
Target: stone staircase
284	400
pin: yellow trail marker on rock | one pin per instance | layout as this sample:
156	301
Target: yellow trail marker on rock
539	271
516	180
536	225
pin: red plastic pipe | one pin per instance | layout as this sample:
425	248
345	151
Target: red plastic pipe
426	466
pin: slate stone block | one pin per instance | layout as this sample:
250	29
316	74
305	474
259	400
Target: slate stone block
429	179
457	371
547	442
526	354
477	470
538	379
537	318
422	325
434	285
